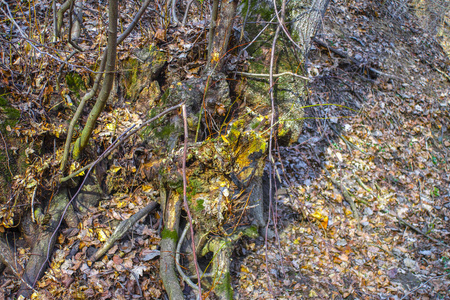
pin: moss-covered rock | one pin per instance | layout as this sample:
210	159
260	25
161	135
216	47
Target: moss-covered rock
75	83
140	71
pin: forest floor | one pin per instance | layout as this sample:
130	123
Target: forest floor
391	159
364	208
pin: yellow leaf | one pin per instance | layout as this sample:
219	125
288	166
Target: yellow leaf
111	126
312	293
101	234
122	204
115	169
146	188
215	56
319	216
244	269
74	167
347	211
324	223
224	139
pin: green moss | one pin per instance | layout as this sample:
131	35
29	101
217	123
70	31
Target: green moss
75	83
8	115
251	232
3	101
145	133
200	205
165	96
224	287
131	68
165	131
139	71
11	163
169	234
195	186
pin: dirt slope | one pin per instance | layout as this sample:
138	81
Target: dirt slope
390	158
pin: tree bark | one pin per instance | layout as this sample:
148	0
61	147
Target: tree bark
221	38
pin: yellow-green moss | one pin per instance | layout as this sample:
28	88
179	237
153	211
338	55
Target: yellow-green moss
75	83
169	234
251	232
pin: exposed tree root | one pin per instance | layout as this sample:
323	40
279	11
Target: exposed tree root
44	244
171	213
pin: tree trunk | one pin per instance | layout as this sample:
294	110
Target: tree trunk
221	35
110	69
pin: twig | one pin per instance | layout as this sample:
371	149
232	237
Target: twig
346	141
188	6
402	221
64	7
174	11
281	22
58	78
254	39
249	5
186	206
420	286
443	73
71	42
32	205
272	121
96	85
134	22
362	184
7	258
212	28
273	75
346	195
25	37
136	277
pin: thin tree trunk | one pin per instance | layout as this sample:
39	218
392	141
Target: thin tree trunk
82	141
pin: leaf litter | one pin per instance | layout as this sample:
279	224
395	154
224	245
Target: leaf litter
391	158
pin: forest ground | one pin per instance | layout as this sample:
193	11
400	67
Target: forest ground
391	158
364	207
